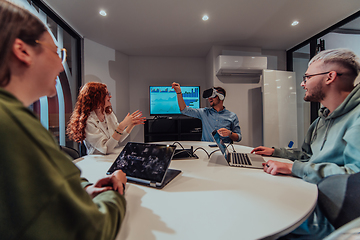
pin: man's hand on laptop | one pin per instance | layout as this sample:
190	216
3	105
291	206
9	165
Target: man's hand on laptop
263	151
275	167
116	181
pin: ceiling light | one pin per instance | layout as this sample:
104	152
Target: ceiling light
294	23
102	13
205	17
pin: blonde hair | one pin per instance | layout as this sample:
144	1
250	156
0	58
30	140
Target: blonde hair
341	56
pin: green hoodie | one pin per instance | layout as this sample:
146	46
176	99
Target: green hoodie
41	192
332	143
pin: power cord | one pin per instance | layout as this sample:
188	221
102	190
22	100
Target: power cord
184	150
194	150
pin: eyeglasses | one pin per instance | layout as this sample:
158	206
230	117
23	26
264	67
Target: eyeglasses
307	77
108	93
62	53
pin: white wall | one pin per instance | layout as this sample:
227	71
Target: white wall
131	77
106	65
161	71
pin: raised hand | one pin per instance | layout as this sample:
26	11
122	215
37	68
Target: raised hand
176	87
137	118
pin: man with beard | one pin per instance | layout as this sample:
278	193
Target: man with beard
332	143
217	117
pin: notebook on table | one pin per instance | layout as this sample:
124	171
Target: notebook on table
235	159
146	164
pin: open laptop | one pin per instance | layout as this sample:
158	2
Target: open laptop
146	164
234	159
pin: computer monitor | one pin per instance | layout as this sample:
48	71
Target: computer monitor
163	99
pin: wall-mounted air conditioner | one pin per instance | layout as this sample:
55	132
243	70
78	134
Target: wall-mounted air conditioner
226	65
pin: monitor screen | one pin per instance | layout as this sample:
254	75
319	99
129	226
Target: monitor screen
163	99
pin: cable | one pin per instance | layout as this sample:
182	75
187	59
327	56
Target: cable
179	144
213	152
188	151
202	149
184	151
231	146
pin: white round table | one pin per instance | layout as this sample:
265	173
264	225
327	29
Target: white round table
210	200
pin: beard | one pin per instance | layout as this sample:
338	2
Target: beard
315	95
214	103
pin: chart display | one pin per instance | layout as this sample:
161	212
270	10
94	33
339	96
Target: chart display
163	99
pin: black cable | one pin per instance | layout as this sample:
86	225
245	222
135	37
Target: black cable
202	149
184	151
232	147
213	152
179	144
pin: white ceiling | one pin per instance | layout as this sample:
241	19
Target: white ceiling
175	27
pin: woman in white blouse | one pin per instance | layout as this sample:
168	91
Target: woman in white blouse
94	123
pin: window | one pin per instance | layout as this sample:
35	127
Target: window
345	34
54	113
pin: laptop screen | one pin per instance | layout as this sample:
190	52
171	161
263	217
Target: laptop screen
144	161
220	143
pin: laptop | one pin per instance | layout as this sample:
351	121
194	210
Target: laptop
146	164
234	159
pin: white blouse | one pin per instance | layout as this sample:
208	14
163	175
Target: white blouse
98	135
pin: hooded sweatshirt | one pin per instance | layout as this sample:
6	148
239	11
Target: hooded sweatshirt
332	143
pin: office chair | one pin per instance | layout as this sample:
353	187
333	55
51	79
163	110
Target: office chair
348	231
339	198
82	149
70	151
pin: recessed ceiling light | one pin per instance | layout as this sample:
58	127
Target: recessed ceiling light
102	13
205	17
294	23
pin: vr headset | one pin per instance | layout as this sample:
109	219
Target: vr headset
211	93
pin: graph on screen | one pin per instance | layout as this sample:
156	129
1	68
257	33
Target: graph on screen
163	99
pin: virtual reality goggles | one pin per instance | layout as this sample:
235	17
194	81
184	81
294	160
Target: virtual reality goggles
211	93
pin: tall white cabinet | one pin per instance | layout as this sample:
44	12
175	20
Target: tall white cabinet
279	109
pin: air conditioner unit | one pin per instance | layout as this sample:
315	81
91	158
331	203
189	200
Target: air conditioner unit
240	65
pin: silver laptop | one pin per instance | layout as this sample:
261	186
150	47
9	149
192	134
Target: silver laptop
235	159
146	164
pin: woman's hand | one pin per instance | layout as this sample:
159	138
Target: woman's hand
137	118
132	120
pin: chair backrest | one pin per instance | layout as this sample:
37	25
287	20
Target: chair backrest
70	151
348	231
82	149
339	198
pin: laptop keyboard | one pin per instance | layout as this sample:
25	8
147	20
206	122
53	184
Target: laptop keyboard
240	159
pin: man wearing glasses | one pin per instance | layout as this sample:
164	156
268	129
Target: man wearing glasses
332	143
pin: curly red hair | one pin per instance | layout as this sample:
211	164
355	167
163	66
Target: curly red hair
91	96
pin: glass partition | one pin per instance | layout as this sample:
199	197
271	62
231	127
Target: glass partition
345	34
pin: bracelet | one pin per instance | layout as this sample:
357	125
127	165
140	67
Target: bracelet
179	93
118	132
